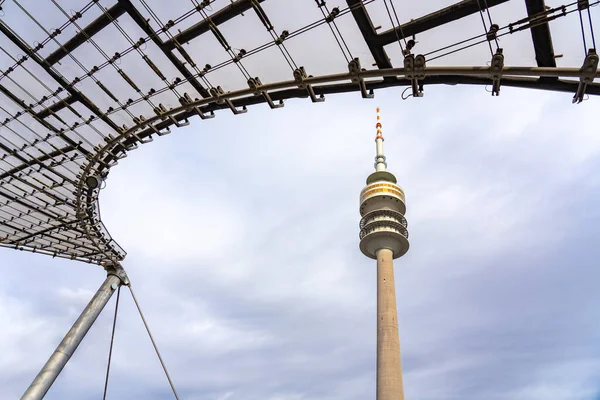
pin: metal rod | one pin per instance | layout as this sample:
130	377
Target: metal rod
57	361
112	342
474	71
153	342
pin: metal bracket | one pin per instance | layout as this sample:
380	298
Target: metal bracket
355	69
118	271
409	46
117	156
217	92
335	11
124	129
141	120
186	99
492	33
299	76
282	37
588	73
583	5
161	110
143	141
255	85
131	147
415	66
164	132
496	67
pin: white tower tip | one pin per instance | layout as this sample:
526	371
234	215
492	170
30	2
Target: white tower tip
380	164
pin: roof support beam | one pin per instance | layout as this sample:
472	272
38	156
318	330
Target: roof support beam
56	107
435	19
542	41
221	16
82	98
44	123
81	37
568	86
376	42
359	12
38	161
164	47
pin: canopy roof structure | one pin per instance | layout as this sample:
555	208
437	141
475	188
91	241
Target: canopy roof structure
84	82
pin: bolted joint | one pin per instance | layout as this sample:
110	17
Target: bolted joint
355	69
415	71
496	67
492	33
299	76
254	84
583	4
588	73
118	271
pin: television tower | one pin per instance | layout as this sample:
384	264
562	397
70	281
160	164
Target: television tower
384	237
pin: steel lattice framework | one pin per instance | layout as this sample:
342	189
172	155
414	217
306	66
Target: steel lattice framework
84	83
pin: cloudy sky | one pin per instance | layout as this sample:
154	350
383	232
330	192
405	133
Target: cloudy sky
243	251
242	240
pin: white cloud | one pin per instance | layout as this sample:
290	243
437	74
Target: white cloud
242	247
171	217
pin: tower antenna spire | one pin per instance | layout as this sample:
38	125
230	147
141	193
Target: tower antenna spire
380	164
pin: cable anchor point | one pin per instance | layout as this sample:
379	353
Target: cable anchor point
255	84
114	268
140	122
496	67
217	92
161	110
409	46
588	73
583	5
355	69
492	33
414	69
187	99
299	76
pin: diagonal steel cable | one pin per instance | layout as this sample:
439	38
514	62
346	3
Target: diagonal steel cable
591	27
112	341
487	9
153	342
485	29
394	26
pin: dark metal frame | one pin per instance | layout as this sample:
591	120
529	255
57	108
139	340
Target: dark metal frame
46	205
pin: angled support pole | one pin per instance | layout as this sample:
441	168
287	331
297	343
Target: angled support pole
116	276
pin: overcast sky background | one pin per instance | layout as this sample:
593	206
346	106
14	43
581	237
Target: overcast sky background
243	250
242	240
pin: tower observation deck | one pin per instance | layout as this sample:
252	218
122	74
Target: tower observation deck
384	237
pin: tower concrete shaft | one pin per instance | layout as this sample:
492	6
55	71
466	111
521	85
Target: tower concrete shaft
389	365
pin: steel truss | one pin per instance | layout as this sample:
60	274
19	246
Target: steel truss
54	159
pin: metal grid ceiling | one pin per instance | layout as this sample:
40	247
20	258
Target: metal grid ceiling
84	82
